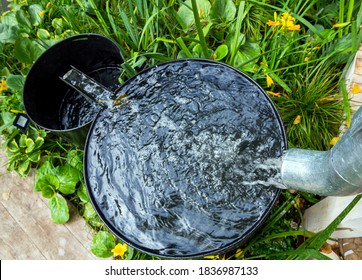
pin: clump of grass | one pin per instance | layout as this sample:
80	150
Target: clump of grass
313	111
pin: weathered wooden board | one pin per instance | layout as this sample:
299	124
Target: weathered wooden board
27	231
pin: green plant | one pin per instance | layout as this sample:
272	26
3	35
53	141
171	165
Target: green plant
25	152
55	182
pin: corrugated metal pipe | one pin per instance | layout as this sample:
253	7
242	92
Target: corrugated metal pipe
337	172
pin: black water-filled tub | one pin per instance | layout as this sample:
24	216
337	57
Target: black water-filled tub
180	168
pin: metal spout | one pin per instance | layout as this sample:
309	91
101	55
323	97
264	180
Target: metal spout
337	172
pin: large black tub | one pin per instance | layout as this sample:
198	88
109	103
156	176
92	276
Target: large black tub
181	167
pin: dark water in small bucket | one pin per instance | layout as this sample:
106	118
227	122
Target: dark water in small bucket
76	110
167	170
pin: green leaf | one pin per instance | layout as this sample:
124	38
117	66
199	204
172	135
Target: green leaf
15	82
75	160
187	16
39	141
43	34
7	119
224	10
29	145
90	215
23	19
68	178
26	51
279	81
47	191
13	146
48	180
24	167
34	11
102	244
244	59
8	28
22	141
89	212
59	209
221	51
45	169
320	238
34	156
82	193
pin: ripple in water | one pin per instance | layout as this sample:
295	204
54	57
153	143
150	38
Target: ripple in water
172	171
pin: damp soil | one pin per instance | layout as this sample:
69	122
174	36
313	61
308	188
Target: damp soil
169	169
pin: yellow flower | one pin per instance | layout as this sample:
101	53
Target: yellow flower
275	22
211	257
286	21
119	250
41	13
334	141
276	94
269	80
48	5
3	86
297	120
356	89
238	253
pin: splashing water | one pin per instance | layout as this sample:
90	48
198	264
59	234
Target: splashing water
270	167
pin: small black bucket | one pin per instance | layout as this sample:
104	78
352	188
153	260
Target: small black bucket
52	104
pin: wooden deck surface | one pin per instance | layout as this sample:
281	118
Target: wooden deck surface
27	231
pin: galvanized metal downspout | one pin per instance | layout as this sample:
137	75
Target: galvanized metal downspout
337	172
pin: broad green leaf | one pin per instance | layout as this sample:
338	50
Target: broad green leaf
91	216
57	23
221	51
68	178
48	180
30	145
34	11
8	28
24	167
26	51
187	16
39	141
47	191
89	211
44	169
23	19
7	119
82	193
13	146
43	34
34	156
74	159
15	82
223	10
102	244
59	209
22	141
246	53
230	38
